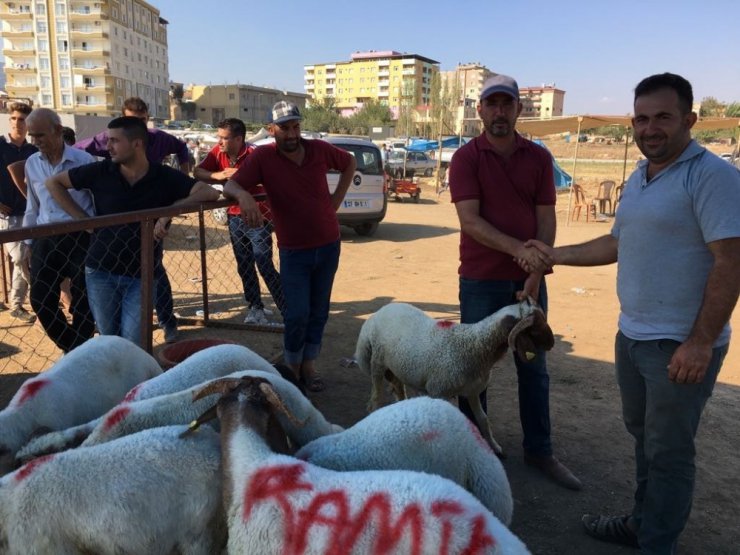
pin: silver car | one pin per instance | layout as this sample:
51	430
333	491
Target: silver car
417	163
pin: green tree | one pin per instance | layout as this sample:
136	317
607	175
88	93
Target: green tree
320	116
711	107
733	110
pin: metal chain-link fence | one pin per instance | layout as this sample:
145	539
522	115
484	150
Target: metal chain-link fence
220	274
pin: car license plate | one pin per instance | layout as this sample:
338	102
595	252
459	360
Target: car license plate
357	204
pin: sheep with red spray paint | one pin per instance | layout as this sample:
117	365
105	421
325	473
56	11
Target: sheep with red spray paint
151	493
402	344
279	504
81	385
422	434
210	363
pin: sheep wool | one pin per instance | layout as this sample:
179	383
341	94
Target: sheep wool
152	492
81	385
422	434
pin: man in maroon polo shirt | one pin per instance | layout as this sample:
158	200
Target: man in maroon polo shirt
250	244
293	173
503	189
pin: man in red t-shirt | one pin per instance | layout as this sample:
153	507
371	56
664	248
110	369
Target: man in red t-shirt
293	173
503	189
250	244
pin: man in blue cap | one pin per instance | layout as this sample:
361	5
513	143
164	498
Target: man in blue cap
503	189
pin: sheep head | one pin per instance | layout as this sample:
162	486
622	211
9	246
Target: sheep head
532	332
254	398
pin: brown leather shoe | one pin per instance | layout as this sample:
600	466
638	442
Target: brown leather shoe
555	470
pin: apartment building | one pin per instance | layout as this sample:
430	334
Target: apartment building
85	56
251	104
542	102
464	84
397	80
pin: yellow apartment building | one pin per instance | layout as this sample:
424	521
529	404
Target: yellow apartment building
85	56
394	79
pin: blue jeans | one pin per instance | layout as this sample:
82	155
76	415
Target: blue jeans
162	290
115	302
481	298
663	417
307	276
254	245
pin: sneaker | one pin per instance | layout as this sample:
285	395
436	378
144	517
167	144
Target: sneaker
23	315
256	316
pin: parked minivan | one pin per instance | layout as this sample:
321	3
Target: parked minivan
365	203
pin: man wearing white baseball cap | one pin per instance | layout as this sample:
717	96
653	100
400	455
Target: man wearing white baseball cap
293	171
503	189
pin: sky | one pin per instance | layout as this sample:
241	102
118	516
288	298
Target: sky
595	50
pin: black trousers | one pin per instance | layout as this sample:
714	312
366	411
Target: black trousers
52	260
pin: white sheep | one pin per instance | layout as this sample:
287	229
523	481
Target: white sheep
210	363
422	434
152	492
82	385
279	504
179	408
443	359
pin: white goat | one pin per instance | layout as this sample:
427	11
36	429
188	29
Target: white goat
179	408
278	504
81	385
443	359
214	362
152	492
423	434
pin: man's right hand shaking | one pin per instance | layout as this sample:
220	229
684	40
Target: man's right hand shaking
536	256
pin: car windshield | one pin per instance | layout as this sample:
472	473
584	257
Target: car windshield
396	155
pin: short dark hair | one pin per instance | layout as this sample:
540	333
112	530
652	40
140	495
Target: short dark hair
235	125
668	81
21	107
68	135
135	104
133	128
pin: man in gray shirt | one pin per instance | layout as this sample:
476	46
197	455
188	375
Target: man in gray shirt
676	238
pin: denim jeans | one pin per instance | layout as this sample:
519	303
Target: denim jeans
663	417
481	298
162	289
116	303
52	260
19	254
254	245
307	276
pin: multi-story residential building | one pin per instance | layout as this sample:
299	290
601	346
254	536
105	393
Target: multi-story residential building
541	102
250	104
463	86
399	81
85	56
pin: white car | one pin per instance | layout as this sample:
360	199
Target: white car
416	163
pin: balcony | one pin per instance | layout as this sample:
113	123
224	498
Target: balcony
87	15
24	33
15	14
95	87
20	68
384	73
309	86
90	52
22	88
80	67
18	53
384	63
88	33
384	83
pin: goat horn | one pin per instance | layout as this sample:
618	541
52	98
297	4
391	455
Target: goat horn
224	385
210	414
277	403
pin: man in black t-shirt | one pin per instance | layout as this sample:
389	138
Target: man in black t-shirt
125	183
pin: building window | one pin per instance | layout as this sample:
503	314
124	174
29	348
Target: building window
46	99
64	82
231	96
66	99
45	82
41	27
43	63
43	45
40	8
63	63
59	9
61	26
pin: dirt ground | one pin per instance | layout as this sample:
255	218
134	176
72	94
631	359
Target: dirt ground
413	258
